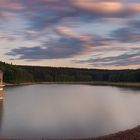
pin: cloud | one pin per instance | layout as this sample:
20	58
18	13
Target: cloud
107	8
54	25
7	16
8	9
98	6
43	14
128	34
68	32
125	59
67	44
63	47
135	24
9	5
93	40
4	36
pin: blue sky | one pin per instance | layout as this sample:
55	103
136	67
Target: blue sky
71	33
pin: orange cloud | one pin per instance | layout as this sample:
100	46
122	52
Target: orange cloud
135	7
101	6
106	6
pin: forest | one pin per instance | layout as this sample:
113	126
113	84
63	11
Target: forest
23	74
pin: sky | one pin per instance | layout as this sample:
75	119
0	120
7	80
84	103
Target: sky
71	33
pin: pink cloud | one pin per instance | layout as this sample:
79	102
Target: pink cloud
68	32
7	16
10	5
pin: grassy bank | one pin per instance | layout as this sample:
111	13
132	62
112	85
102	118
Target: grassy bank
119	84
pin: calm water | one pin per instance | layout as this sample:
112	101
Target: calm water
67	111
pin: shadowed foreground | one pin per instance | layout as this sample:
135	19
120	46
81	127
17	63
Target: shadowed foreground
133	134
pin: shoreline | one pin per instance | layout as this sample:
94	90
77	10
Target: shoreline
129	134
116	84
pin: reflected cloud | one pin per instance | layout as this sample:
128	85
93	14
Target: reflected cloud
63	113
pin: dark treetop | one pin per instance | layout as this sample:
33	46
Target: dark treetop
23	74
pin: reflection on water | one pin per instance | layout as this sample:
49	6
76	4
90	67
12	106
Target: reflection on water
1	94
1	113
130	89
68	111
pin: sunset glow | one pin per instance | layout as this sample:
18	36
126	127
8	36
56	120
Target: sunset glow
71	33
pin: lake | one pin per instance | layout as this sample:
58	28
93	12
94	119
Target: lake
67	111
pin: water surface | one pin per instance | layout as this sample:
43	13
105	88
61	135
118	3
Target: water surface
67	111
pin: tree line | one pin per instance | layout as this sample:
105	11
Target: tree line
20	74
